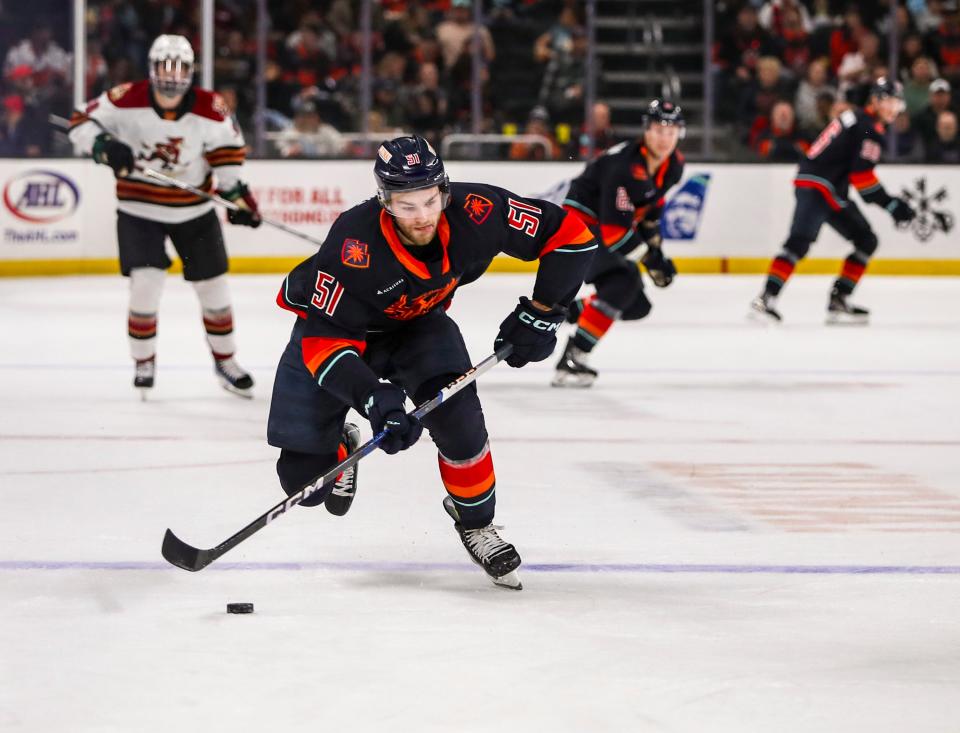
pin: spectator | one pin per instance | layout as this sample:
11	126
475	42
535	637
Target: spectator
386	100
946	40
939	100
742	46
916	88
455	34
20	132
846	39
758	98
538	123
911	49
809	110
559	39
781	142
426	104
603	135
795	40
309	137
772	16
50	63
945	146
561	90
907	149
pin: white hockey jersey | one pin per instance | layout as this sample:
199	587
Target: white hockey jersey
192	143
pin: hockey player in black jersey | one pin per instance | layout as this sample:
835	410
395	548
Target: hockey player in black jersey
620	196
372	330
845	153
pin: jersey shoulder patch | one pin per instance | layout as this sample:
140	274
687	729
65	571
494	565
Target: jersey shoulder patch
130	95
618	148
209	105
848	118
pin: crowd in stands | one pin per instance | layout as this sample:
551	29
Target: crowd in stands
785	67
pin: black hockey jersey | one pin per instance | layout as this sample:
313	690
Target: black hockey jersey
617	191
845	153
363	280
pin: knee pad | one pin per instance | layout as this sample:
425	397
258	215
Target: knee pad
797	246
146	285
619	287
457	427
866	242
639	308
214	294
295	470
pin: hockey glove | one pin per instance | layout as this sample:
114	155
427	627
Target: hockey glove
248	213
384	408
107	150
660	267
649	232
901	211
531	331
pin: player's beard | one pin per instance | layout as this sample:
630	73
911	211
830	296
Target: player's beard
414	234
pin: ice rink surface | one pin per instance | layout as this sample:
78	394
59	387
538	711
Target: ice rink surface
737	529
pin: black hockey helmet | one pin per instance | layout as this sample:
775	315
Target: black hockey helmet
886	87
664	112
408	164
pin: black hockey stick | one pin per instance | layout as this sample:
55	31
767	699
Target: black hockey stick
183	186
179	553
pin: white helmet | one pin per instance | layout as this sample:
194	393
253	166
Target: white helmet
171	65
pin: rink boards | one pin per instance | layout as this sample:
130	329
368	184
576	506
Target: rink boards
57	216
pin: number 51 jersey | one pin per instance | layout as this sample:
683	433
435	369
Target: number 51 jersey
364	280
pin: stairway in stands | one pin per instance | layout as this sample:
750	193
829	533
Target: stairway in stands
654	48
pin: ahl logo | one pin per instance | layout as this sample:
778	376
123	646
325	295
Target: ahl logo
931	216
41	197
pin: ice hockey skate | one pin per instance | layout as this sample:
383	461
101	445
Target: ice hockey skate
487	549
233	377
143	376
763	309
344	489
572	369
840	312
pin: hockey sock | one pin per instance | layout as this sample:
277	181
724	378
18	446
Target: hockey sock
780	271
217	315
471	484
576	308
853	269
146	285
594	322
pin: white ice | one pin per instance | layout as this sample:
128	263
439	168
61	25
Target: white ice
738	529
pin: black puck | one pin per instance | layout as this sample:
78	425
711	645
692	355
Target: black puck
239	608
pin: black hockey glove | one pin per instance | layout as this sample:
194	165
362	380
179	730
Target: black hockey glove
649	232
248	213
107	150
660	267
532	333
901	211
384	407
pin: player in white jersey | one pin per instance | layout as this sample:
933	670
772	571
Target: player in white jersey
184	132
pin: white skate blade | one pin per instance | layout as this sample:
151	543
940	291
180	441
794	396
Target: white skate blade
144	391
247	394
839	318
576	381
511	580
755	315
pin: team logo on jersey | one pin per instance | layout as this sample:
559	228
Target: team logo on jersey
623	200
167	153
118	91
477	207
220	106
355	254
405	308
638	172
932	216
41	197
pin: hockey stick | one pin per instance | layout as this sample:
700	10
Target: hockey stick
179	553
168	181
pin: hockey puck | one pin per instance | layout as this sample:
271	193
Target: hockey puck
239	608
